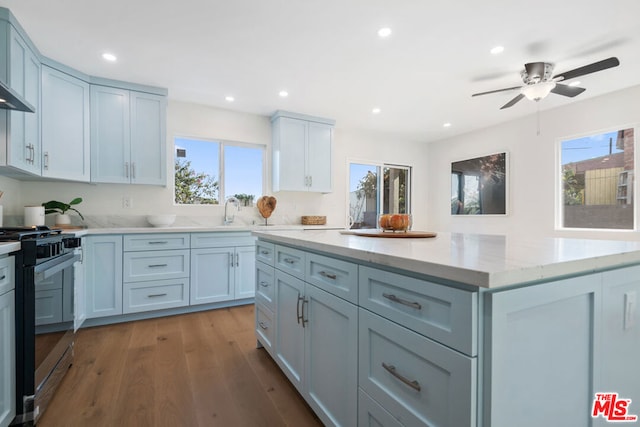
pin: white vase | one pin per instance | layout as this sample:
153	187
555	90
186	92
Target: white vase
63	219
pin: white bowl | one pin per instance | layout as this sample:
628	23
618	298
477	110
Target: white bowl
161	220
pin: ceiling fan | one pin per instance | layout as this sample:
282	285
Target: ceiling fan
539	82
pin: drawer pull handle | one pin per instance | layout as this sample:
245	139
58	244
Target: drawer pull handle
264	252
392	370
3	277
328	275
298	316
159	242
264	284
263	326
157	265
289	261
394	298
156	295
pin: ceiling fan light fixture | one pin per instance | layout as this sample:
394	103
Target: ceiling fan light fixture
537	91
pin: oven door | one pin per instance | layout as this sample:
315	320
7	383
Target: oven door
54	316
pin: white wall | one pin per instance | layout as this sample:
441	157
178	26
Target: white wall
192	120
532	164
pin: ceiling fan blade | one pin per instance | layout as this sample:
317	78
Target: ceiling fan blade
588	69
512	102
566	90
535	70
496	91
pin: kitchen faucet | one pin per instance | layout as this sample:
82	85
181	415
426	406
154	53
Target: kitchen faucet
228	220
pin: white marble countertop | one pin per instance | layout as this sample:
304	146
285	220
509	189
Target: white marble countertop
488	261
6	247
194	229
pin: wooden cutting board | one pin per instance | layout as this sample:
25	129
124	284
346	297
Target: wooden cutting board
390	234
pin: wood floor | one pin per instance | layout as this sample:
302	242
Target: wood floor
198	369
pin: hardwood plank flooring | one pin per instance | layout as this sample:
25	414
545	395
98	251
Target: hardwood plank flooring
196	369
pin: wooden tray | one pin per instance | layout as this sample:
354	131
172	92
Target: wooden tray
397	234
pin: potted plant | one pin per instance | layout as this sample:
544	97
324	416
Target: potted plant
60	208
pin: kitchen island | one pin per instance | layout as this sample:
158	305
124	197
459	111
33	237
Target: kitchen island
457	330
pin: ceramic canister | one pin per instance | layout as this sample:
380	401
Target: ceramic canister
33	215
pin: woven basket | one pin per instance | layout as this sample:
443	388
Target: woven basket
314	220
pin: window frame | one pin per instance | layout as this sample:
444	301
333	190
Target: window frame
221	184
558	181
379	184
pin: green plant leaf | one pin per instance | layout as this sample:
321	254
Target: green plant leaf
76	201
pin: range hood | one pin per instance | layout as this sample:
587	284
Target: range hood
9	100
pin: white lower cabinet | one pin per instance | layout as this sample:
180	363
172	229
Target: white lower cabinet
371	414
7	357
316	347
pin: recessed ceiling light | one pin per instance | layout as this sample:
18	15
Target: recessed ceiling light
497	49
576	83
447	125
229	98
109	57
384	32
283	93
376	110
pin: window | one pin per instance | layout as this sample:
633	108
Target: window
596	181
377	189
208	171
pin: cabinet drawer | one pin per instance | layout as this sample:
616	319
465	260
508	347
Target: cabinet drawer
156	242
446	314
265	327
371	414
222	239
265	252
290	261
155	265
265	285
155	295
417	380
337	277
7	274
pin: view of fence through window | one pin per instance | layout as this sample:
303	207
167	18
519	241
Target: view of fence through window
208	172
377	189
597	181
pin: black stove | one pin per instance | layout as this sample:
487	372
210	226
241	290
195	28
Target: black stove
40	243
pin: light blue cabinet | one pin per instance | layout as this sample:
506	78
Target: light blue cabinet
103	275
302	152
7	343
316	346
20	131
65	126
127	136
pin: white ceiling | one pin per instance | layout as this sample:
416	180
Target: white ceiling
327	55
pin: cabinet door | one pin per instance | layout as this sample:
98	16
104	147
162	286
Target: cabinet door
289	154
621	335
65	126
289	346
318	158
211	275
79	291
245	272
148	142
103	276
544	337
7	358
110	136
24	128
331	357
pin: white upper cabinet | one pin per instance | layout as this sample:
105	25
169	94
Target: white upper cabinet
302	148
20	134
127	136
65	126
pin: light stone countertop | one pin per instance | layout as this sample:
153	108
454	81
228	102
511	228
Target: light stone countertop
488	261
193	229
7	247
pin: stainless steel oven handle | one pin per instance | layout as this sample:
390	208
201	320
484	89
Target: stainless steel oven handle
65	261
